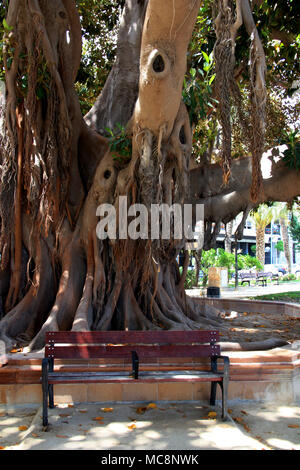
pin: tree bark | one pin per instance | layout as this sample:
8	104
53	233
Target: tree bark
260	245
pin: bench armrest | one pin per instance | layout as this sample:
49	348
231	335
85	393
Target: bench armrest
226	361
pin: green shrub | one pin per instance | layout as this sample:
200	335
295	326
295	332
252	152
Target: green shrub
190	280
288	277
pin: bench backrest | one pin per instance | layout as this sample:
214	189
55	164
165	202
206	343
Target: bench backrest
247	275
262	274
120	344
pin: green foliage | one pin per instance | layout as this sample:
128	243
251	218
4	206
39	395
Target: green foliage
99	23
221	258
262	216
197	87
2	16
249	262
278	23
4	40
288	277
279	246
225	259
120	144
190	280
292	153
295	231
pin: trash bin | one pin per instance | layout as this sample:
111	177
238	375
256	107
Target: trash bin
213	292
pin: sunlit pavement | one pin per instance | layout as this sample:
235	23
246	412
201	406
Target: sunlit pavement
252	291
151	426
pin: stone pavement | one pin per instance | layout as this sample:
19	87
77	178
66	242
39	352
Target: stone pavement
182	426
244	292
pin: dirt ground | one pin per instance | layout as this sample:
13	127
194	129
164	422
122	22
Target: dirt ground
244	327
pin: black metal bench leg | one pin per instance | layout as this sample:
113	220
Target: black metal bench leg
45	388
213	392
224	387
51	400
50	386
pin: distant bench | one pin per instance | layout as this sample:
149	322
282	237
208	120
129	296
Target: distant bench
133	346
260	278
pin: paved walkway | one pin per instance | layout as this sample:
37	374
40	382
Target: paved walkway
245	292
183	426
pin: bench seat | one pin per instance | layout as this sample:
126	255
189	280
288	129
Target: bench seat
144	376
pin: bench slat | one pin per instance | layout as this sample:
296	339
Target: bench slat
144	376
86	351
145	337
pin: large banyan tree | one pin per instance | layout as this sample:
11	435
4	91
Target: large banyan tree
58	167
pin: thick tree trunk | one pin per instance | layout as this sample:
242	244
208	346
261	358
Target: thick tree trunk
260	245
57	170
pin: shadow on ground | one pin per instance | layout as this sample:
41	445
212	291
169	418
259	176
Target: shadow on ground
152	426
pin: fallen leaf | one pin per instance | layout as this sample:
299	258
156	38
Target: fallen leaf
70	405
64	415
23	428
34	434
244	412
107	410
238	420
229	410
294	426
98	418
61	436
151	405
2	448
141	410
82	411
212	415
246	427
131	426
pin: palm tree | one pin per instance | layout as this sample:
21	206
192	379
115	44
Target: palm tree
282	213
262	216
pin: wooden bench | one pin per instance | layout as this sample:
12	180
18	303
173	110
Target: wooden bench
260	278
273	277
134	347
247	277
263	278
